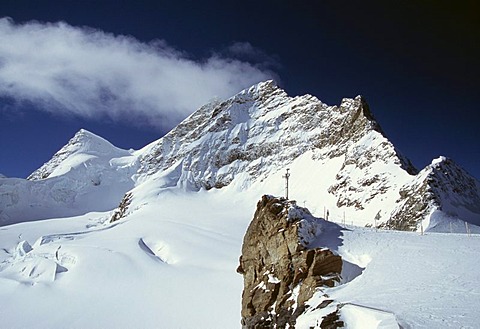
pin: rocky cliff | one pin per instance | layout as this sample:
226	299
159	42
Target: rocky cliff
280	269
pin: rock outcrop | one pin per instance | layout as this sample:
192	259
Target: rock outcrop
280	271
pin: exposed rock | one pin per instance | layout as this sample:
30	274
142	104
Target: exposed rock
332	321
280	272
122	209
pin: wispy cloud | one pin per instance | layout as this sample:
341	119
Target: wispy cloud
91	73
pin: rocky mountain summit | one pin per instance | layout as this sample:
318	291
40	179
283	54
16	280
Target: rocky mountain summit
281	270
354	170
261	130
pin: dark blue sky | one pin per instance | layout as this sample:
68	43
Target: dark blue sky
416	64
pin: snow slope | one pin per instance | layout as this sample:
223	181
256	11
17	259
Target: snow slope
168	266
172	265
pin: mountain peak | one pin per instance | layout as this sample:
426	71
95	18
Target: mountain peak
264	125
84	143
85	133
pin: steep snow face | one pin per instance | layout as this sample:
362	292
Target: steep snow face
87	174
439	195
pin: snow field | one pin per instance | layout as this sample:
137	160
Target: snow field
171	264
421	281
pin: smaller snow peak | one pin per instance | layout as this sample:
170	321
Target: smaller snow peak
83	131
441	190
450	171
83	146
87	140
445	164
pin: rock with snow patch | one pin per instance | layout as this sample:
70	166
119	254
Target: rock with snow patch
279	269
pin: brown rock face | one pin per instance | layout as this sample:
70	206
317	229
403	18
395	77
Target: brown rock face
280	272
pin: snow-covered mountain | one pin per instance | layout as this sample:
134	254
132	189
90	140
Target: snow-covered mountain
262	130
87	174
169	257
85	149
341	162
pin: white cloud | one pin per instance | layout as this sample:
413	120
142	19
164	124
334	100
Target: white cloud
90	73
